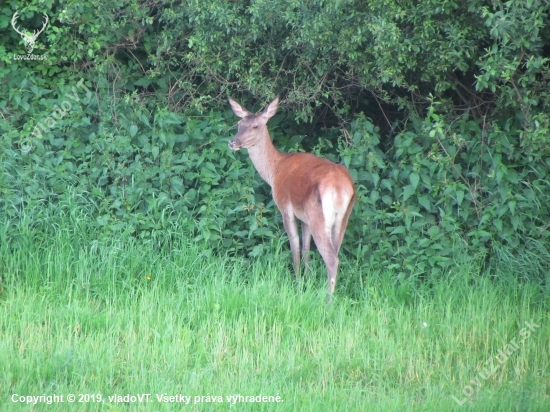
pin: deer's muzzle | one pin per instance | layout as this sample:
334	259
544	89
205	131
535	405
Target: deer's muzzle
234	144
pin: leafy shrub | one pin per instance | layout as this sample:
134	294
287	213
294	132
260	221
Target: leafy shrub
439	109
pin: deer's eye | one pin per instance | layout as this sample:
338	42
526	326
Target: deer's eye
255	126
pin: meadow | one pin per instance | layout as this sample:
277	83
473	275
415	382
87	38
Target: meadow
144	266
163	323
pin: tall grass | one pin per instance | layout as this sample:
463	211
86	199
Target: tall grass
83	313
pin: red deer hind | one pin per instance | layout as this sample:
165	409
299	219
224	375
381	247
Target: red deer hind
314	190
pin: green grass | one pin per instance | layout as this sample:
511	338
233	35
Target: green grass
116	316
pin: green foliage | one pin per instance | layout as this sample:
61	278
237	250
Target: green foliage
139	175
449	194
88	316
439	108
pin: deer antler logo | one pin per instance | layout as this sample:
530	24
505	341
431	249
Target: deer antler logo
29	38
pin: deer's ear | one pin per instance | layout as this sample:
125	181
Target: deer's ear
271	109
238	109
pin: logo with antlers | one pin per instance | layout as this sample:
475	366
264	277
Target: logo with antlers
29	38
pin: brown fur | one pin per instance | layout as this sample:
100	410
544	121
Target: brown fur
306	187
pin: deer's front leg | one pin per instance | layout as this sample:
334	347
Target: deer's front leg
291	228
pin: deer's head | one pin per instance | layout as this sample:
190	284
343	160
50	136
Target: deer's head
253	127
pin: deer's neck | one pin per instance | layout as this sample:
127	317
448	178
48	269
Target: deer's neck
265	158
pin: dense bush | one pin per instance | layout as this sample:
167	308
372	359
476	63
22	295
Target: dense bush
439	108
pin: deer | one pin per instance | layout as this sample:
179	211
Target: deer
305	187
